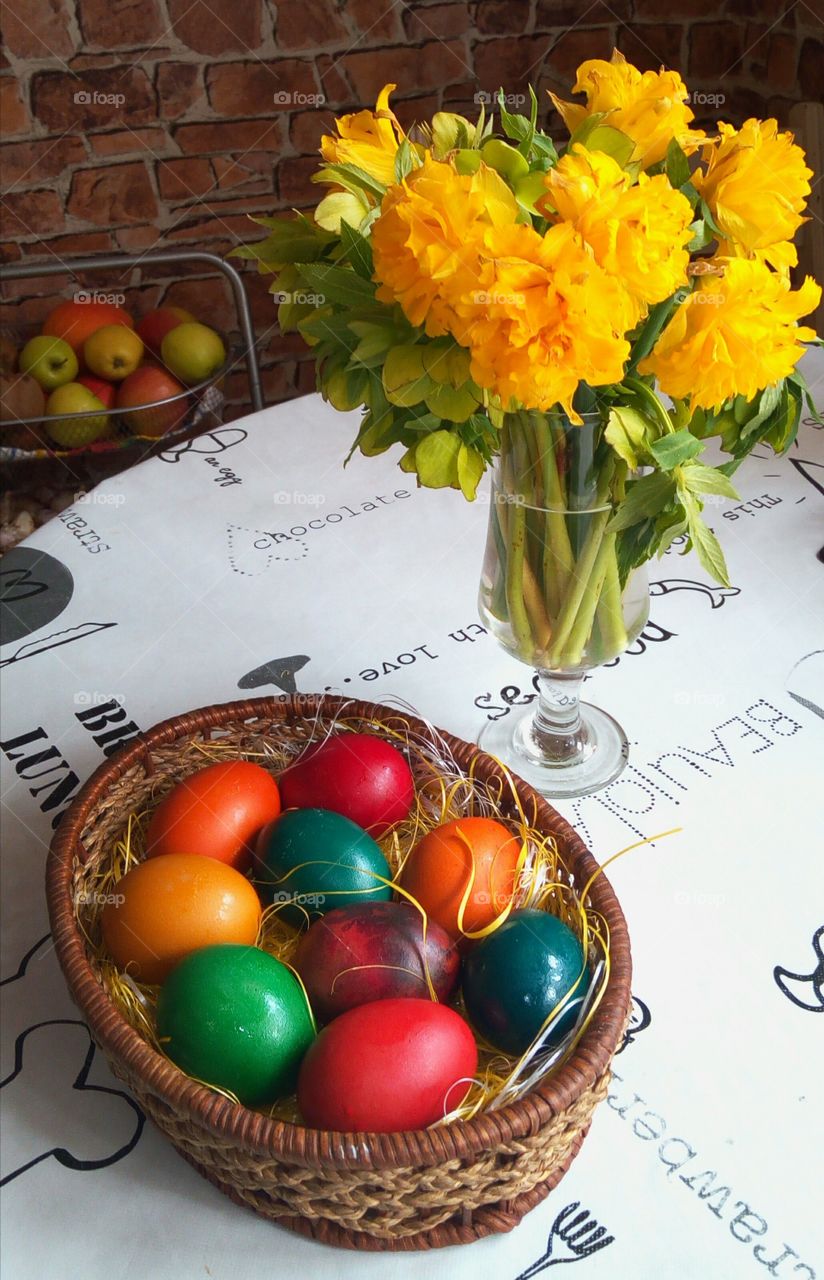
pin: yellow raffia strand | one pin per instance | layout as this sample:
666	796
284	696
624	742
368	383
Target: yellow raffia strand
443	794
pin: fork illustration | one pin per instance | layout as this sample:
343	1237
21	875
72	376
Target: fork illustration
572	1236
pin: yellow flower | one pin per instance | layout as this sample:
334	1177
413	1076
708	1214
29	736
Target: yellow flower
637	231
734	335
368	139
756	186
425	242
649	107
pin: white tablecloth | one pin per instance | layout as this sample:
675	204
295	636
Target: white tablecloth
251	561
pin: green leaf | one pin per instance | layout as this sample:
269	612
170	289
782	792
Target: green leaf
471	466
356	250
516	127
673	449
338	284
707	546
784	428
614	143
676	165
768	402
404	161
350	177
405	380
454	404
706	214
698	478
645	497
289	240
628	432
436	459
652	327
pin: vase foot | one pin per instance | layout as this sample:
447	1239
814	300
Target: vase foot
600	753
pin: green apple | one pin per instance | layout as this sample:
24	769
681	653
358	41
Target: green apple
49	360
72	433
192	352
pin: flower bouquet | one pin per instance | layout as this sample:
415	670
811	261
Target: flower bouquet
491	298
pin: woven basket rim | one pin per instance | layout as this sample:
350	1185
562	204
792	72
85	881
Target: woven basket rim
257	1133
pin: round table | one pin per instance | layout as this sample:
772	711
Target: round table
251	560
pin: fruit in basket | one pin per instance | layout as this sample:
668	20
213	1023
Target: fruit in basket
193	352
236	1018
166	908
72	433
156	324
386	1067
514	979
378	951
358	775
76	321
50	361
471	858
318	860
8	355
113	352
105	391
20	397
216	812
149	383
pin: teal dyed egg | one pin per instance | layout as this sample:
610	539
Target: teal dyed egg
235	1017
319	860
513	979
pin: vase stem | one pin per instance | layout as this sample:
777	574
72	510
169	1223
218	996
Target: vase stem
557	728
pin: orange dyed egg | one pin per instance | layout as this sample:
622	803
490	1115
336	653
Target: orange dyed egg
216	812
440	868
164	909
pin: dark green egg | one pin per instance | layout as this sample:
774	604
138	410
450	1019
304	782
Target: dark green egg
235	1017
319	860
513	979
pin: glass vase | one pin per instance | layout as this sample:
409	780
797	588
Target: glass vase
553	595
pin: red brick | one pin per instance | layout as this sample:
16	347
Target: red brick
651	47
83	244
184	179
10	252
303	24
337	91
108	24
279	383
280	346
28	163
117	193
204	28
38	29
779	108
374	23
809	69
126	141
234	135
37	286
514	63
258	88
417	110
307	380
564	13
435	63
567	54
179	89
239	228
136	239
739	105
207	298
31	312
294	183
57	104
683	8
252	172
441	20
782	58
306	128
716	49
501	18
32	213
13	109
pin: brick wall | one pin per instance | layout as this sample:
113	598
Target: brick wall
133	124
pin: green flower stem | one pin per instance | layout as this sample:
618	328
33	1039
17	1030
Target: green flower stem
580	586
610	612
558	560
518	616
582	627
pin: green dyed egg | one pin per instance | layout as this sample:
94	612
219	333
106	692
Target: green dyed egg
513	980
235	1017
319	860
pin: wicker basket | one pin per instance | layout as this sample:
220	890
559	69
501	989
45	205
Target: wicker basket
413	1190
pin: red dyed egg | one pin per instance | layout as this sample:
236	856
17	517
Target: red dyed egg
374	951
355	774
387	1066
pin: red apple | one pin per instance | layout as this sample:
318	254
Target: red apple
105	391
156	324
144	386
76	321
